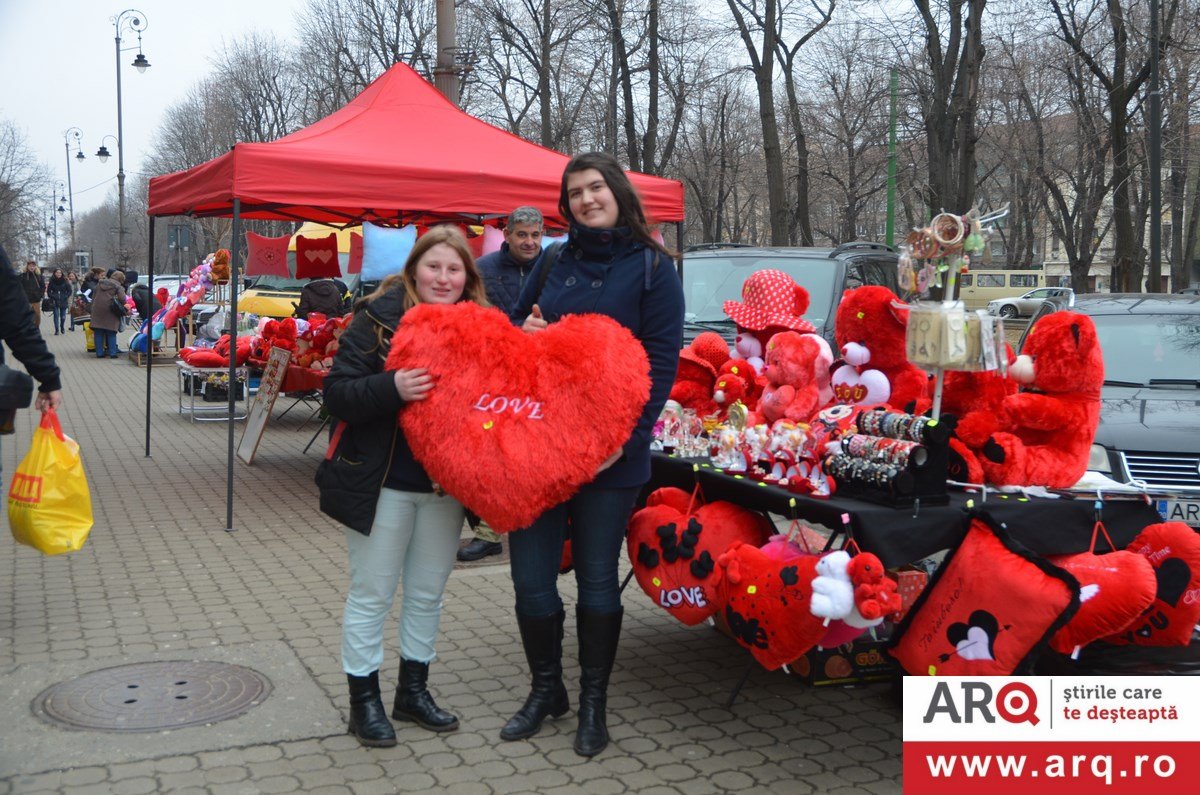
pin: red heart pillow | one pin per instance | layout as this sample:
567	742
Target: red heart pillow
674	553
517	421
317	257
1114	589
1173	549
767	603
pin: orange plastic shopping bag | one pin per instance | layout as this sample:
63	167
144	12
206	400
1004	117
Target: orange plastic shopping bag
49	505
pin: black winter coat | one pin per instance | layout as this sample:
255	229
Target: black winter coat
59	290
18	331
363	400
34	286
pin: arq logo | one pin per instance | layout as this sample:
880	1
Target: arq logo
1015	702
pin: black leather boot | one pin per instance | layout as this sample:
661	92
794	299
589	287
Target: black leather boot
542	638
415	703
598	636
368	719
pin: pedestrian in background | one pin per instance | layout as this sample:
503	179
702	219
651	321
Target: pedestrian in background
20	333
58	290
105	321
35	290
611	265
73	278
399	529
504	273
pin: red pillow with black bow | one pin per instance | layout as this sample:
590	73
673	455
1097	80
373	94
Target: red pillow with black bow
991	604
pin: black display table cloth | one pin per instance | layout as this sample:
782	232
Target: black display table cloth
902	535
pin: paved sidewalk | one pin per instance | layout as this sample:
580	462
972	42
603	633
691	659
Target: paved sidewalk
160	579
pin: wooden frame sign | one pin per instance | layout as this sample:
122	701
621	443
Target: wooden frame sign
264	401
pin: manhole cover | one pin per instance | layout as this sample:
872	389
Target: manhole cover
153	696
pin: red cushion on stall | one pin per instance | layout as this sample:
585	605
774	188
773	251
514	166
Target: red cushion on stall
674	553
317	257
1173	549
767	603
266	256
207	358
518	404
356	253
987	609
1114	589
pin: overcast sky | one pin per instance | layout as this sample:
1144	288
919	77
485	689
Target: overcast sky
58	70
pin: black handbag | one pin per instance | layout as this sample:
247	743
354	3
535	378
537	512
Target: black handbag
118	307
47	304
16	392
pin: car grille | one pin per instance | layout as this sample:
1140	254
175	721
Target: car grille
1165	470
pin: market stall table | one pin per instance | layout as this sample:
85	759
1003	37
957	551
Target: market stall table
188	374
903	535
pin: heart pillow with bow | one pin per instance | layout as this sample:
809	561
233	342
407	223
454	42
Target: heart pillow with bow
674	550
1114	589
766	603
1173	549
517	422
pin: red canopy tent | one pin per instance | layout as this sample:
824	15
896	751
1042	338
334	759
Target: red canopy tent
399	152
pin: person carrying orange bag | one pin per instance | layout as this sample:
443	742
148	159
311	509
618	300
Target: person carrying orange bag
49	505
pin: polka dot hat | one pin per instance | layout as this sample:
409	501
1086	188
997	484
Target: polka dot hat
770	298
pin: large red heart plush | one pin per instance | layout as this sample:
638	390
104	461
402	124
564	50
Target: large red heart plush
517	422
1173	549
1114	589
674	546
767	603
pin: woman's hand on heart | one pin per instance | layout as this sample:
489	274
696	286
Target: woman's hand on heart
413	385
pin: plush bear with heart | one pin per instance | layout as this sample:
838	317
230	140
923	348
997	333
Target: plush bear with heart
797	368
1114	589
517	422
767	603
674	548
1173	549
874	318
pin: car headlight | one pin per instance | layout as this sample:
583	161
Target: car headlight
1098	459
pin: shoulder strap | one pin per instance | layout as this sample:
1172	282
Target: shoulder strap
552	254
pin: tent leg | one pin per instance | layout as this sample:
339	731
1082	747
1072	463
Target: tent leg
737	688
679	245
147	320
235	279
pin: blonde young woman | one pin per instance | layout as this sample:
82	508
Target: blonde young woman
399	530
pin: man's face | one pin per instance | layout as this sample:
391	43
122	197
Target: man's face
524	241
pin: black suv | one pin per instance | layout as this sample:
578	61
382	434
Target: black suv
714	273
1150	404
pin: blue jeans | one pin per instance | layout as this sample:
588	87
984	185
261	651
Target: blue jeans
415	535
105	341
598	520
60	318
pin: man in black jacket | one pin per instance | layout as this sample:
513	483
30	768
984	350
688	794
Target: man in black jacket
35	289
18	331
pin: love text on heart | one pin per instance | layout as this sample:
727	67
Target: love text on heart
501	404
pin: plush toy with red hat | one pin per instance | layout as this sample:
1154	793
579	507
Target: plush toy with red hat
792	391
1048	431
873	318
697	373
771	302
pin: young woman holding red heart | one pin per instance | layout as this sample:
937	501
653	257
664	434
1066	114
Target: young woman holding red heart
396	523
611	265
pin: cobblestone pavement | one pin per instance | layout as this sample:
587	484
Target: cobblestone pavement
161	579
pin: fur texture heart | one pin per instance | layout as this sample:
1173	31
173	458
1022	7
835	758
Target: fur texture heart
674	545
1114	589
517	422
1173	549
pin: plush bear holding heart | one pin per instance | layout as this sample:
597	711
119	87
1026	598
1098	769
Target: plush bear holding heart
517	422
674	550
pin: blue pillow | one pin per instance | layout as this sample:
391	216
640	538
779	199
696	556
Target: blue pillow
385	250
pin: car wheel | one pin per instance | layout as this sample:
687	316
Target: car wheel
1008	311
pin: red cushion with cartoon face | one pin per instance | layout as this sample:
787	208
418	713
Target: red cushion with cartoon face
544	409
1114	589
990	605
766	603
1173	549
674	552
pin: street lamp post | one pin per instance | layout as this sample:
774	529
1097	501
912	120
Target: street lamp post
67	134
133	21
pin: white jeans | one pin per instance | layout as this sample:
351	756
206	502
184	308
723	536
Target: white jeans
415	535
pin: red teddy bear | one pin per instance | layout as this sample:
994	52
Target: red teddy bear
976	400
869	316
1047	434
875	594
792	390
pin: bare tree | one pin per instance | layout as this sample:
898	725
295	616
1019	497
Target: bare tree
256	77
24	184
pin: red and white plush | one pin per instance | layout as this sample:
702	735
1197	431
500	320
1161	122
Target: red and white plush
875	594
1173	549
794	367
728	390
874	318
1047	432
518	404
1114	589
749	375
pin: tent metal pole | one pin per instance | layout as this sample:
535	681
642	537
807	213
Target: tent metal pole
149	324
234	281
679	246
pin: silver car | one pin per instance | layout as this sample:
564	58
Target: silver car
1027	304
